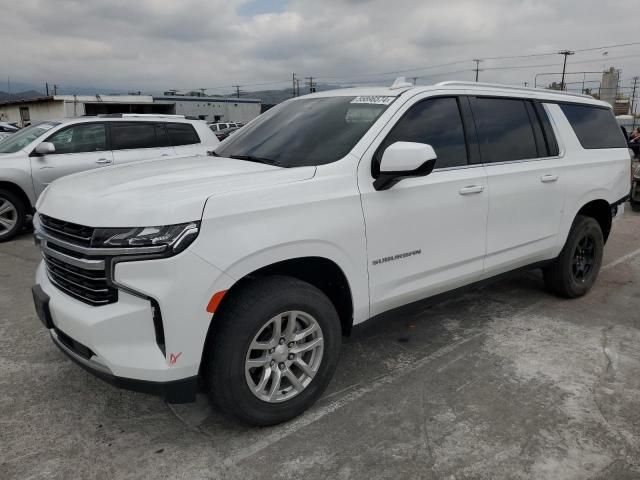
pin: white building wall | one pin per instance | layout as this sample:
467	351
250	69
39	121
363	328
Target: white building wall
38	111
242	110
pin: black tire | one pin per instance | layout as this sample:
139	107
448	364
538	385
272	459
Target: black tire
568	275
635	206
19	218
241	317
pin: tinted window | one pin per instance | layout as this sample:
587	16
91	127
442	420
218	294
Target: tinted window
85	137
25	136
133	135
306	131
162	136
595	127
436	122
182	134
504	130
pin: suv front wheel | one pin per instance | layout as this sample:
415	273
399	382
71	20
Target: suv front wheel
273	350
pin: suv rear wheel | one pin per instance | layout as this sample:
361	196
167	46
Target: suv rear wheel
13	213
273	351
575	270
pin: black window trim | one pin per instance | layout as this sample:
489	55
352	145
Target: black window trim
76	124
546	121
470	137
534	101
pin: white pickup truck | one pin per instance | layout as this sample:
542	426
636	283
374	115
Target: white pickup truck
241	270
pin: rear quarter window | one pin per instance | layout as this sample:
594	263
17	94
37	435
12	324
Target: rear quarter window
595	127
182	134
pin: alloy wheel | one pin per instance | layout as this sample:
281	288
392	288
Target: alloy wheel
583	258
284	356
8	216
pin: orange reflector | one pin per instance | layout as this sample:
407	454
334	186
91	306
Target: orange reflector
215	301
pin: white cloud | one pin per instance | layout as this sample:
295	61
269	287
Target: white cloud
162	44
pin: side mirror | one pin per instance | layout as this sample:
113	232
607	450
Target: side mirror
45	148
402	160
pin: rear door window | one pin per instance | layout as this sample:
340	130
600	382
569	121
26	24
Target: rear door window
595	127
182	134
505	131
133	135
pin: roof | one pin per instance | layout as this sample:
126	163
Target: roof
485	88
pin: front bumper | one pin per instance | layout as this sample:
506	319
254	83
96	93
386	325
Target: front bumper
177	391
121	338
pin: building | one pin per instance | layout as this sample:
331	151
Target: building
609	86
28	111
212	109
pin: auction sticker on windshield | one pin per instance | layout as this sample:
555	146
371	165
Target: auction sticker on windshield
373	100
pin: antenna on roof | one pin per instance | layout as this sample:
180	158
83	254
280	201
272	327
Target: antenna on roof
400	82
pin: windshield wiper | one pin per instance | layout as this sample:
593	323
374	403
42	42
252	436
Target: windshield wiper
252	158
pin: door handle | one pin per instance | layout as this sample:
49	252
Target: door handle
548	178
471	189
104	161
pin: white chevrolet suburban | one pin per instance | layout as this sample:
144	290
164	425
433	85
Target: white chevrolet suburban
239	272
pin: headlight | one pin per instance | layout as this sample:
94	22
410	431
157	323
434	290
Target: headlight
175	238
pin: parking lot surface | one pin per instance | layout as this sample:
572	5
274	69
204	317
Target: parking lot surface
503	382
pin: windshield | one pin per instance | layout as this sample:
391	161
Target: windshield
305	132
24	137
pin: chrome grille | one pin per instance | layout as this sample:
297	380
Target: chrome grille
89	286
70	266
70	232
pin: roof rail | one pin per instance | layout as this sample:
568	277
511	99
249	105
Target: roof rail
145	115
510	87
138	115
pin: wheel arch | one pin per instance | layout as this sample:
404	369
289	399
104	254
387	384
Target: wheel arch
19	192
599	210
321	272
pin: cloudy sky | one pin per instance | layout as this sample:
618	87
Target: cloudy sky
155	45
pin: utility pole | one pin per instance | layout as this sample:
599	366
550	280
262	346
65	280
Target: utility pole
477	69
293	79
237	87
297	87
311	84
566	53
46	87
55	89
415	79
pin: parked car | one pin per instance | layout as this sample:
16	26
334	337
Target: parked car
222	134
219	126
7	129
244	271
35	156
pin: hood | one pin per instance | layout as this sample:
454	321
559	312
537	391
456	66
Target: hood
157	192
